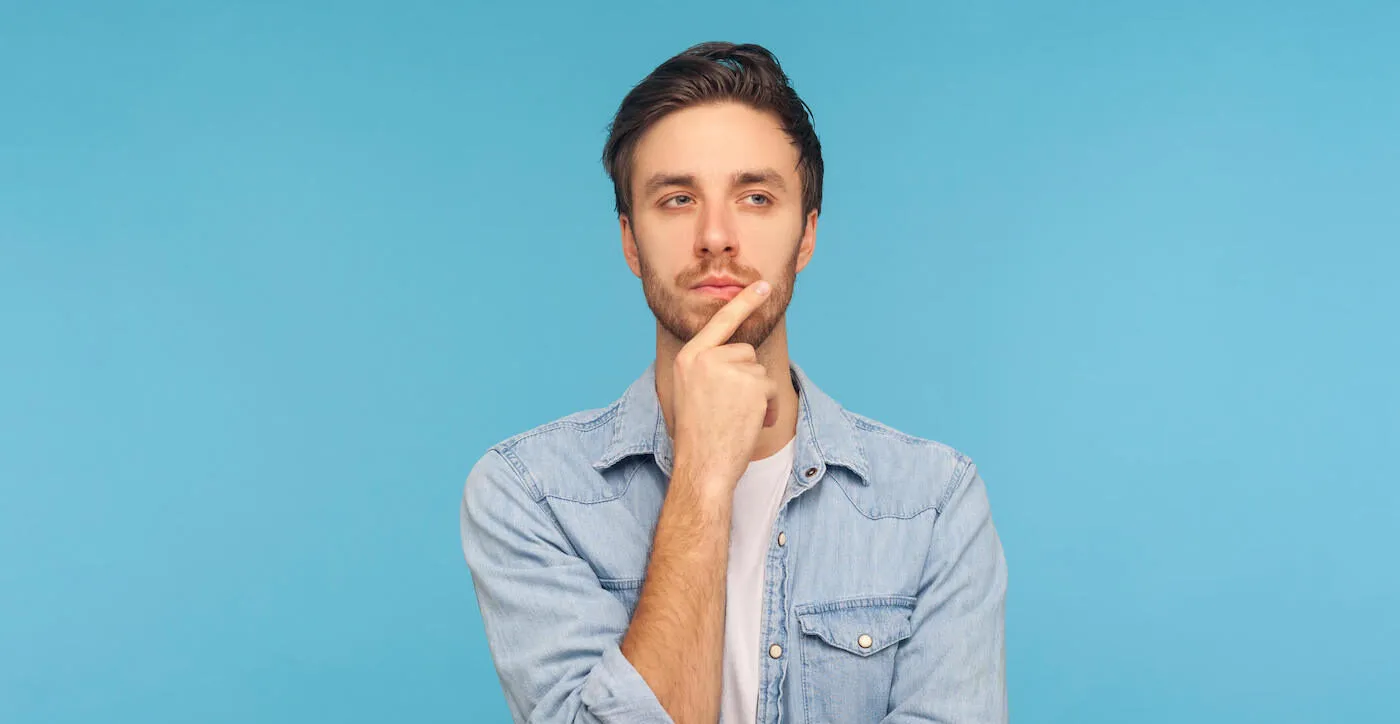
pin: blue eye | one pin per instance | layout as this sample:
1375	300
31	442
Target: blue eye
673	198
761	197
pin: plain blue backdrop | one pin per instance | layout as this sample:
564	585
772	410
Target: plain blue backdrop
274	276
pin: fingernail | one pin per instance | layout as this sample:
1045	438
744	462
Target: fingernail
762	289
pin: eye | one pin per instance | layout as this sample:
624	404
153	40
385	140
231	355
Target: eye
759	199
678	197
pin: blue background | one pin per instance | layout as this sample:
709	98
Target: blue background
273	277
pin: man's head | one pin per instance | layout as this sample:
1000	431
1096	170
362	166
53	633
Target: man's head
716	171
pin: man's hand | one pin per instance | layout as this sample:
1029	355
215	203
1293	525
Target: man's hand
722	396
722	400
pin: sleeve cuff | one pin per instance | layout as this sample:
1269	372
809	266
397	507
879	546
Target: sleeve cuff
615	692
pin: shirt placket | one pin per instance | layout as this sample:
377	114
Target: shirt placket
777	587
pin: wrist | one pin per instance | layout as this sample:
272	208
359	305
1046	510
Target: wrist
707	488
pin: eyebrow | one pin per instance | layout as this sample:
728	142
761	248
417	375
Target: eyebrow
768	176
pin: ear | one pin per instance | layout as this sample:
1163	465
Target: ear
809	240
629	245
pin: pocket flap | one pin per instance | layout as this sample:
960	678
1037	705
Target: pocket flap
860	626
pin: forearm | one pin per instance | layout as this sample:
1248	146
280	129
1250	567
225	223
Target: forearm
676	637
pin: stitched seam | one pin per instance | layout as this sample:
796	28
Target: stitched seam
812	431
626	484
868	516
771	565
864	471
603	417
522	475
518	468
886	431
959	475
831	640
843	604
802	646
632	450
829	637
620	584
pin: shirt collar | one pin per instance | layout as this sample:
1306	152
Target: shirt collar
825	435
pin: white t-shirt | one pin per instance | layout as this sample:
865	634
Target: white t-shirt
756	500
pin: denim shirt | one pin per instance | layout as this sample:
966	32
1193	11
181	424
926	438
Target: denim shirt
884	589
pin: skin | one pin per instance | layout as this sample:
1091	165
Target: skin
678	234
722	366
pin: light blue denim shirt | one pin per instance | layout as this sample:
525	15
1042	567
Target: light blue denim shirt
884	590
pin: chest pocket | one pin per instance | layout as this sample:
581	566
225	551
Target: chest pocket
847	656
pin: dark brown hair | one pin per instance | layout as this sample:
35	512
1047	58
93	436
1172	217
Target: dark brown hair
710	73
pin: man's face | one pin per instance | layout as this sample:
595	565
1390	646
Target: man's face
715	191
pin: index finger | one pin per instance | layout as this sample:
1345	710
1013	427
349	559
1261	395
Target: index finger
723	325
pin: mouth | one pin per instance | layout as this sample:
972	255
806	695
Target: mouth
722	292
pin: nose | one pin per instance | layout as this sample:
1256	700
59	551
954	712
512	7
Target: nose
715	234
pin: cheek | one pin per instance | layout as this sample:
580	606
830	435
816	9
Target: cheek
659	263
663	247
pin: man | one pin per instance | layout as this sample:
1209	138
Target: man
725	542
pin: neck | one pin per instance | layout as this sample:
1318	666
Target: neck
772	354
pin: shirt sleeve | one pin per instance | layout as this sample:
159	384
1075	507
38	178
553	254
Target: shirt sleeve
952	669
552	630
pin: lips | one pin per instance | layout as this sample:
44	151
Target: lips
716	280
724	292
721	286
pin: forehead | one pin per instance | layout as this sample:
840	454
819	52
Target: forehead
714	141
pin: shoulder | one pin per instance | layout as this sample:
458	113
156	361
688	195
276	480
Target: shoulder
531	457
909	474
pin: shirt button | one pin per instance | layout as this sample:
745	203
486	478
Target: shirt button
865	641
775	651
782	538
811	472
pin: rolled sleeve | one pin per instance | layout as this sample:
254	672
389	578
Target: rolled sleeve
553	631
615	691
